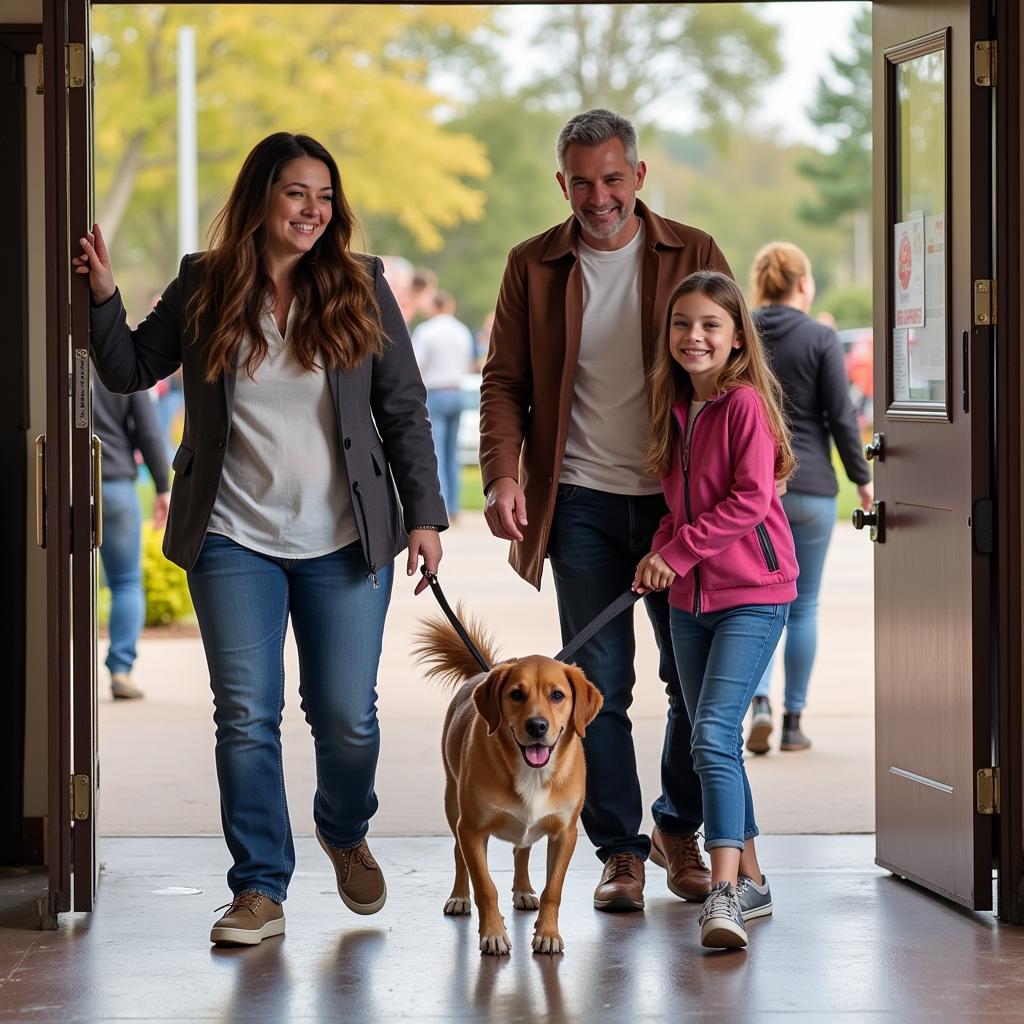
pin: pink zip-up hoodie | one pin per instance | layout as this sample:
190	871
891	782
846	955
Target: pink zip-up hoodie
726	534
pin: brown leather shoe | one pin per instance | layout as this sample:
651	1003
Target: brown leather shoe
622	884
688	875
360	879
251	917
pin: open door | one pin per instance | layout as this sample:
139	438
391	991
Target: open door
67	465
933	450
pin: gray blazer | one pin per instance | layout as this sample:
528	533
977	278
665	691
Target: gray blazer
379	406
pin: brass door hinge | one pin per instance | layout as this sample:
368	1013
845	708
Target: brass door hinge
80	792
74	65
985	62
987	789
39	69
985	308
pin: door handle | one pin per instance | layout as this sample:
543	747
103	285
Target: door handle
876	449
41	491
97	492
874	519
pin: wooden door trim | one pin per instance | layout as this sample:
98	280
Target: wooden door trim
1008	568
58	491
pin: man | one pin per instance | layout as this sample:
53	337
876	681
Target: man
123	424
443	346
564	425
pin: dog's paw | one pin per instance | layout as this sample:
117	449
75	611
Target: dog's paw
498	944
522	900
548	943
457	905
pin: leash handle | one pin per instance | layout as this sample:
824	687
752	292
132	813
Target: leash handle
435	586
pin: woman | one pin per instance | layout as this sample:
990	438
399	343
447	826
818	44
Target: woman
294	355
807	358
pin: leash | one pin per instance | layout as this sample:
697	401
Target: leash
617	607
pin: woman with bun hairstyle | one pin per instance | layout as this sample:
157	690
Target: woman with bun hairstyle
807	358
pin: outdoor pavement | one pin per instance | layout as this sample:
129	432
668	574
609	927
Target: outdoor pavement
156	755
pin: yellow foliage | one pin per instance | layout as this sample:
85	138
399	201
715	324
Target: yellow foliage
349	75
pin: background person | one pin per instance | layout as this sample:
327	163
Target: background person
124	423
294	356
807	358
444	351
564	388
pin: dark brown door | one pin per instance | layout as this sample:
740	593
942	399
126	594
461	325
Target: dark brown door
933	402
66	458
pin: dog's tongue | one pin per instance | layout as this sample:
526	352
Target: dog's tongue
538	755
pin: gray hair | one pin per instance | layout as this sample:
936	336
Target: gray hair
593	127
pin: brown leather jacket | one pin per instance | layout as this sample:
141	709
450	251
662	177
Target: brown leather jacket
528	379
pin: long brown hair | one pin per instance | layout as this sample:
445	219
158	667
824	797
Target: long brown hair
776	271
337	319
669	382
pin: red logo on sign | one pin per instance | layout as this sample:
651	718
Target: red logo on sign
904	263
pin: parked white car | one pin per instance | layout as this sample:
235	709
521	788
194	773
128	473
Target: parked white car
469	425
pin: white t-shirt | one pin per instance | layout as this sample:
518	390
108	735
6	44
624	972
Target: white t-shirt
443	347
610	423
284	488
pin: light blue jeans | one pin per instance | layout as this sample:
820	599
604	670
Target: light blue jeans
120	554
811	518
243	601
720	657
444	407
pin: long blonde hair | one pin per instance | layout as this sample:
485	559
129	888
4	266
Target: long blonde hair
669	382
338	323
777	270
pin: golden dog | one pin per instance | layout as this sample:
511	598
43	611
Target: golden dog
514	769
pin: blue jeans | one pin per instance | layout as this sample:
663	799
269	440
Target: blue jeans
120	554
811	518
596	540
243	601
444	407
721	656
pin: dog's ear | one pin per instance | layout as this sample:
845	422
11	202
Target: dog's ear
487	696
586	699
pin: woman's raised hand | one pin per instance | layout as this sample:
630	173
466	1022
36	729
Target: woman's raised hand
95	261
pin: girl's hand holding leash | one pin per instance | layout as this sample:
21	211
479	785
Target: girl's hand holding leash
653	573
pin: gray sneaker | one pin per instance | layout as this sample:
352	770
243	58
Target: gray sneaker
721	920
755	900
760	726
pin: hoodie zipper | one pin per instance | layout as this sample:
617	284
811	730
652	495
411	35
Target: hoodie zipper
766	547
366	533
686	497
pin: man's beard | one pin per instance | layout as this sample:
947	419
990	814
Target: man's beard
606	230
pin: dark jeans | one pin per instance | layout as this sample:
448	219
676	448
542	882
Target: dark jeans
597	539
243	601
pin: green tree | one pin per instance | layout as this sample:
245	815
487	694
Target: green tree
843	110
354	76
629	56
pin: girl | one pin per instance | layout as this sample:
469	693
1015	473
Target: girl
302	404
724	550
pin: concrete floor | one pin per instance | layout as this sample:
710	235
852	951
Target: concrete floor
847	942
156	755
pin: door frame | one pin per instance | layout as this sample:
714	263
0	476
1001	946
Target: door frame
1008	606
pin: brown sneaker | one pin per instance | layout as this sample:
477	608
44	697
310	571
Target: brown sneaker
360	880
250	918
688	875
122	687
622	884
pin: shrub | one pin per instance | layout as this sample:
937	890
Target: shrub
167	596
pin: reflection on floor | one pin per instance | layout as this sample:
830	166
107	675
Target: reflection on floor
847	940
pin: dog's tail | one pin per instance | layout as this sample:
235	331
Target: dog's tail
438	648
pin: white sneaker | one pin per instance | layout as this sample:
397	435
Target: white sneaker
721	920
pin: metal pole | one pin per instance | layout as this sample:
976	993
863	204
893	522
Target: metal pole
188	198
